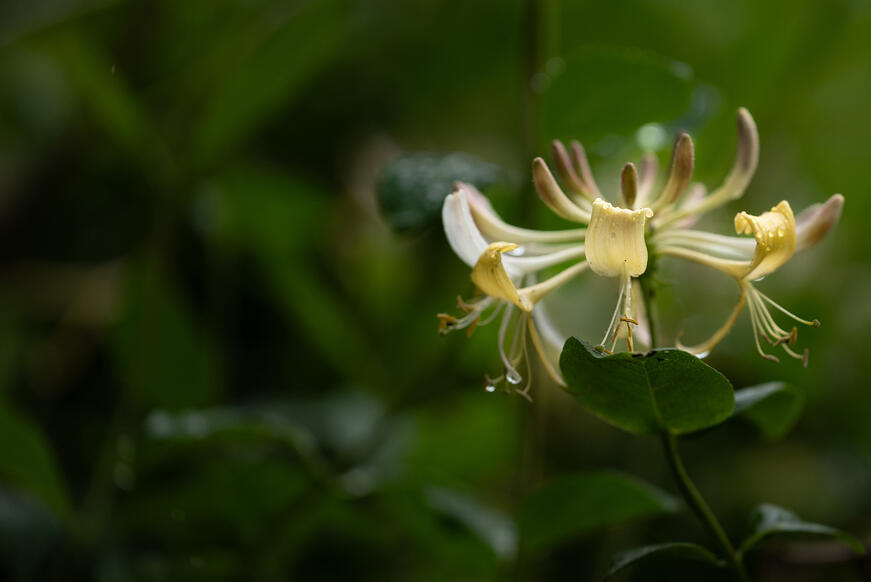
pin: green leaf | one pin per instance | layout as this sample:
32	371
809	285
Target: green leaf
411	188
662	390
165	359
577	504
773	407
28	462
773	521
262	209
680	550
491	525
606	91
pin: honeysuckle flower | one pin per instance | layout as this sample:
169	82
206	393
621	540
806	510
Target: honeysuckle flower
499	270
507	261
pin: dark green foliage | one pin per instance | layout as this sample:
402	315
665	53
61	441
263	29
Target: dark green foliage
578	504
771	521
679	550
662	390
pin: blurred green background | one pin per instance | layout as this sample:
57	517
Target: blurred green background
219	356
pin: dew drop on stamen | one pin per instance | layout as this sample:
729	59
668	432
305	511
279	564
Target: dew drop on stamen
490	388
513	377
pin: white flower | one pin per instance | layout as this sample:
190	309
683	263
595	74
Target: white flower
507	261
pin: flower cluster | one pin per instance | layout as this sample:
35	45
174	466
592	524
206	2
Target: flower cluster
615	241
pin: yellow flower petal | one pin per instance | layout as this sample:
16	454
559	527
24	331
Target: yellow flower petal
490	276
774	232
615	240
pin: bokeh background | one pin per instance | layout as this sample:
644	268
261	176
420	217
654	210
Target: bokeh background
221	260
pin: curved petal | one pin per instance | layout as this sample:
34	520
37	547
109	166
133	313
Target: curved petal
746	160
493	227
469	243
460	229
814	222
553	196
775	242
490	276
774	232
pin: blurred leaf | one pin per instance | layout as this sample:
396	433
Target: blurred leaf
464	441
108	99
326	320
165	360
411	188
261	208
608	91
28	462
491	525
577	504
291	45
773	521
662	390
232	425
28	532
773	407
680	550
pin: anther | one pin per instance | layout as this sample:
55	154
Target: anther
446	322
467	308
472	326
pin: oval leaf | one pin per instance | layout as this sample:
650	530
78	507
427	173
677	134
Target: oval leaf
773	407
770	521
679	550
662	390
577	504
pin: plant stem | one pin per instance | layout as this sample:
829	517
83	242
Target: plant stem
647	296
697	503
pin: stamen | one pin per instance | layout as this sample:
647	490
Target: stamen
503	331
471	329
463	306
614	316
446	322
704	348
539	348
756	330
764	319
492	315
812	323
622	314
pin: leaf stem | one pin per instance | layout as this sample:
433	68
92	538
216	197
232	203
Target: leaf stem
698	504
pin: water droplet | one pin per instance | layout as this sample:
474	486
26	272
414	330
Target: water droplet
518	252
513	377
490	388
